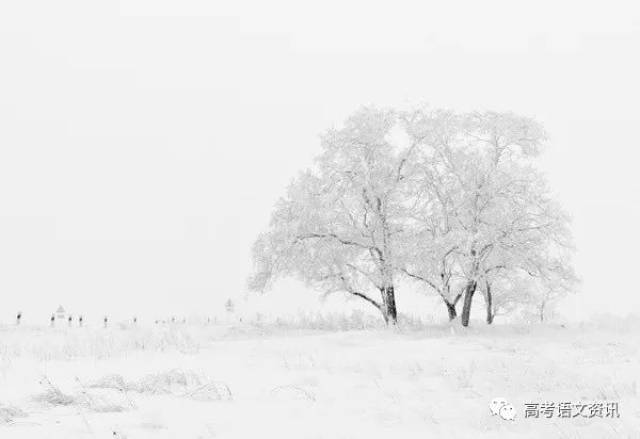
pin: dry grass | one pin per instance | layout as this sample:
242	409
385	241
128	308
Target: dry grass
53	396
173	382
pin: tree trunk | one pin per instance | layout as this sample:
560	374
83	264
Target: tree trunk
466	306
451	310
390	304
488	298
388	307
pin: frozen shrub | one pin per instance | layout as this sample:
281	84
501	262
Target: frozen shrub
214	391
9	413
167	382
52	395
114	381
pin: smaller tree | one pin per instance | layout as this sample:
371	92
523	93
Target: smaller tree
554	279
507	293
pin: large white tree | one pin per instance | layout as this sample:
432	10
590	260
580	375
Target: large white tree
451	200
339	226
482	203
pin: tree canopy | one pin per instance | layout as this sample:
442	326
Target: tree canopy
451	200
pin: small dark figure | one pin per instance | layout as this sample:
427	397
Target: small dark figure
135	320
173	319
53	320
80	321
106	320
18	317
70	321
208	320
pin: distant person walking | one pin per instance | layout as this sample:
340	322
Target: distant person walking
53	320
80	321
18	317
106	321
70	321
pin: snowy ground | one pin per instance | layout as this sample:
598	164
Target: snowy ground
223	382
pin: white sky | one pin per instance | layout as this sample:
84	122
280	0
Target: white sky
143	144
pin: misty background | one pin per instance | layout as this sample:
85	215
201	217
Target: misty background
143	143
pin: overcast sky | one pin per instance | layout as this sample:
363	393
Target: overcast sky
143	143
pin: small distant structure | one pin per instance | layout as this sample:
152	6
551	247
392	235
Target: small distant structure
60	313
229	306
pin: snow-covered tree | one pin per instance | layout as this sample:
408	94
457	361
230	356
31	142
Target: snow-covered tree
339	226
554	278
431	236
451	200
482	195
